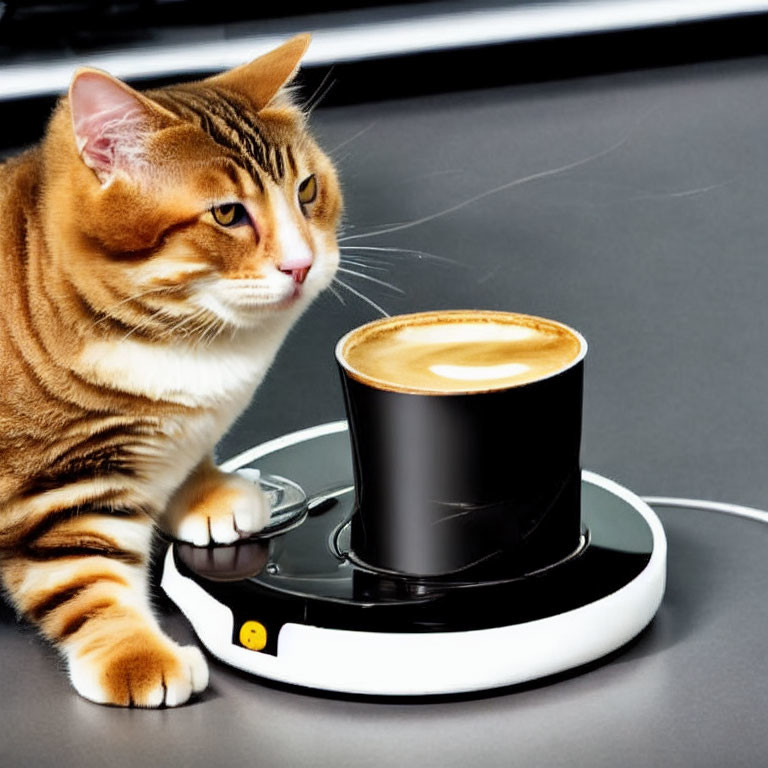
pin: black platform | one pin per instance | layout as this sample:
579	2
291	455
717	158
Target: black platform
311	576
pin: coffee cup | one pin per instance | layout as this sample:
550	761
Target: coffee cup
465	430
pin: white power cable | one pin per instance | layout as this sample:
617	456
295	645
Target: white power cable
711	506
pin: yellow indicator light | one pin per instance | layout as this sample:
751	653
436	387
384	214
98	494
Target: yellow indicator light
253	635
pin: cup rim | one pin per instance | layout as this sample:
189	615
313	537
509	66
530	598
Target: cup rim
379	384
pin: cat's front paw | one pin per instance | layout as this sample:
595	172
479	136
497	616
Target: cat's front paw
220	509
144	669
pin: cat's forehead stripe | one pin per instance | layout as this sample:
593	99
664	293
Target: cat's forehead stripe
235	116
232	175
225	122
232	115
291	160
187	105
279	168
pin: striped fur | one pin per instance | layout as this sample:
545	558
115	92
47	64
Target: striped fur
134	330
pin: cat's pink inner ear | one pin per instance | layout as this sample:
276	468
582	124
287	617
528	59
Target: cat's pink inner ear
110	123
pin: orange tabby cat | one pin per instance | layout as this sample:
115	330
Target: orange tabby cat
155	251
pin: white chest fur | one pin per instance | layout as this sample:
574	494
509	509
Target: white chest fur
217	381
191	375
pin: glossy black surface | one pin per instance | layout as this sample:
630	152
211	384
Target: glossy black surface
288	505
484	482
310	578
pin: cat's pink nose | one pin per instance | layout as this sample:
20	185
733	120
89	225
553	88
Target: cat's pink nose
297	265
299	275
293	254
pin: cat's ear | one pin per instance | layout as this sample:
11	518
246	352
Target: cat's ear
111	122
261	79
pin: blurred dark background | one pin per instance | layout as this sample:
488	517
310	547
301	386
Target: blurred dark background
41	43
428	106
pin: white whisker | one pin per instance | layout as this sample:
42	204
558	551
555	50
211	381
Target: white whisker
641	195
320	93
218	326
107	312
209	332
145	322
494	191
374	231
350	139
337	295
396	251
372	279
365	263
361	296
180	325
678	194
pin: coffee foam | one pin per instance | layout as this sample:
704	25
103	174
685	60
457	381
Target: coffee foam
459	351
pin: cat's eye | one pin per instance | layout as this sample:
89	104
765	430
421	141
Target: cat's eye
308	190
229	214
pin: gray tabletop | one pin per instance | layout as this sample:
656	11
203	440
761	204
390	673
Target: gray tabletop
651	240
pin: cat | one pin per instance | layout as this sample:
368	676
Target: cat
157	247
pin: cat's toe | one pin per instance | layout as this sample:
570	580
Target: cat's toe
223	530
236	509
251	511
198	667
194	681
146	670
195	529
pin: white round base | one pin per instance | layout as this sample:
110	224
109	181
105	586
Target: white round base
417	664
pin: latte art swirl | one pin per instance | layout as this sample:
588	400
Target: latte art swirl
458	351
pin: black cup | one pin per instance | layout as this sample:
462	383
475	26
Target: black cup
472	486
